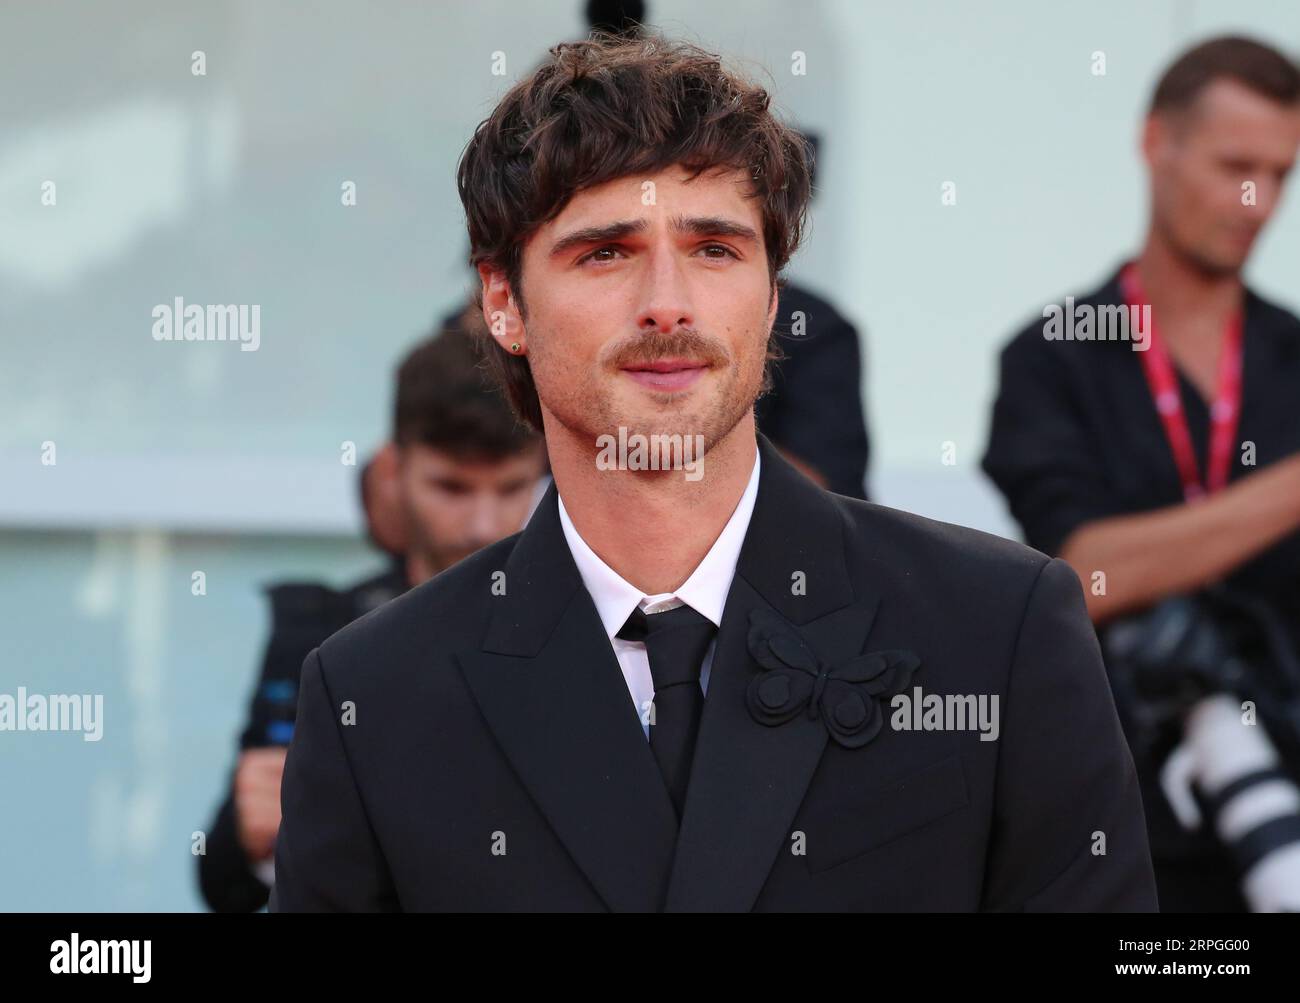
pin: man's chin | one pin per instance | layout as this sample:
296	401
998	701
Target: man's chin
640	424
1222	263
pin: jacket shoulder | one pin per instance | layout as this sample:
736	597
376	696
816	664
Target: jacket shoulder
928	549
1274	316
451	606
1029	343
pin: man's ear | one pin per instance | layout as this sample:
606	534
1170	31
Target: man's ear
1152	138
1161	135
501	311
400	457
774	306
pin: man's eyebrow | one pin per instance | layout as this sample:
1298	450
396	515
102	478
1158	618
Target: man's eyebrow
713	226
699	226
598	234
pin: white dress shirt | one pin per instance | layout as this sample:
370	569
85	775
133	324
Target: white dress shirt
705	591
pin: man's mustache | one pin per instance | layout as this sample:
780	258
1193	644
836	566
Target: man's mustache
686	343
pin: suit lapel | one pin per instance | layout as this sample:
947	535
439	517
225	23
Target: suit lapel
748	780
551	690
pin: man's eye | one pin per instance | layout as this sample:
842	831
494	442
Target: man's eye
599	254
726	251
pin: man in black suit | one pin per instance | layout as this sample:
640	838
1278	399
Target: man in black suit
696	680
814	413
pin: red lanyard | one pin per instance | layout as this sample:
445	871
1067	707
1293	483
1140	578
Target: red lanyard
1225	410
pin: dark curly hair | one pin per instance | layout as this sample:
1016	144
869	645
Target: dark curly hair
606	108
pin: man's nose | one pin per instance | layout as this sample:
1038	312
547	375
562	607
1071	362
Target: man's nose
665	294
488	520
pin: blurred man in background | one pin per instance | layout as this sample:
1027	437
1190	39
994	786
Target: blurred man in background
381	501
459	474
813	413
1158	452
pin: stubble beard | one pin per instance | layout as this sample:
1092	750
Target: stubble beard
590	407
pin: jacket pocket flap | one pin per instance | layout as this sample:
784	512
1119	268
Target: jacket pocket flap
839	832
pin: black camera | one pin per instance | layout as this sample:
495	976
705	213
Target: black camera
1209	686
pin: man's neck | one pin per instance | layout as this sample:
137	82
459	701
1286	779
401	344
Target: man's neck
1189	303
652	527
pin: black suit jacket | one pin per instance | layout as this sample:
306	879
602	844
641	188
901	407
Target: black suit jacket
485	723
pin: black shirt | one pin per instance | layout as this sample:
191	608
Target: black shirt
1075	435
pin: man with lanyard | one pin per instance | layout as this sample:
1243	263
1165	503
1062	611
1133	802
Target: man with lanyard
1163	458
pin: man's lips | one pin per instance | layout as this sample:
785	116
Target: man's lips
667	374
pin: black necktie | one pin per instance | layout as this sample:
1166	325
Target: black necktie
675	643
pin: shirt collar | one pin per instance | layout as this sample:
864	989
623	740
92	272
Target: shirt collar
705	591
